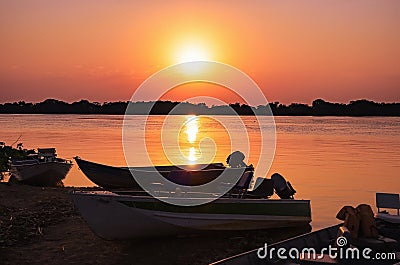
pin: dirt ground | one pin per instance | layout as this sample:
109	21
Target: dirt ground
41	226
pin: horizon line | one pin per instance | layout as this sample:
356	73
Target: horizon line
177	101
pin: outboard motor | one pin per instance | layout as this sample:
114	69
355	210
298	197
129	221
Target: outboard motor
282	187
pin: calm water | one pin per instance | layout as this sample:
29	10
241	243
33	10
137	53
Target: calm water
333	161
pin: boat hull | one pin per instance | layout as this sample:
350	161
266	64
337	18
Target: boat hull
316	240
41	174
113	216
109	177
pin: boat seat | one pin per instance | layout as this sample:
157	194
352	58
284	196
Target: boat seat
264	189
240	189
388	201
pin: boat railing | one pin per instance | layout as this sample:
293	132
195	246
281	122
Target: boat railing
24	162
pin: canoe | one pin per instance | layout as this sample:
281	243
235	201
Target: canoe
313	239
40	169
387	242
116	216
313	248
110	177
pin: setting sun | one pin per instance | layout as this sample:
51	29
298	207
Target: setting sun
190	52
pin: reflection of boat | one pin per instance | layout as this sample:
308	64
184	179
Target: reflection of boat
110	177
42	168
114	216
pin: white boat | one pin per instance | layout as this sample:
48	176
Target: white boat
118	216
42	168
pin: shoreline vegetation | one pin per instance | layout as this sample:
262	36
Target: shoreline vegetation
318	107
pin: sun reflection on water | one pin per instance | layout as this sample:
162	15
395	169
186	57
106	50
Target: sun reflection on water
192	157
192	128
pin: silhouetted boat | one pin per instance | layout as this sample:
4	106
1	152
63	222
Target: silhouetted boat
116	216
42	168
331	245
313	248
110	177
316	239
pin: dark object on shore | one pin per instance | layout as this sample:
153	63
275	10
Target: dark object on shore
7	152
109	177
40	169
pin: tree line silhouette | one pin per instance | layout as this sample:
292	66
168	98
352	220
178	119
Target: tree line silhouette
319	107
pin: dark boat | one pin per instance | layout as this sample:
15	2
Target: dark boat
43	168
110	177
300	250
339	237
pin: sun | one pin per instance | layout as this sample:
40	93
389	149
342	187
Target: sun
192	53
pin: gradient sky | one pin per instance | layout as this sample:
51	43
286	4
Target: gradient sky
296	51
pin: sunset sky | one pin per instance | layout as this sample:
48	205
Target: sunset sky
296	51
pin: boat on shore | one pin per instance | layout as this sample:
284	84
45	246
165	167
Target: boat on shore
345	247
42	168
185	199
321	247
110	177
119	216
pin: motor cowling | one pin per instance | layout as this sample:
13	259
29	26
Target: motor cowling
282	187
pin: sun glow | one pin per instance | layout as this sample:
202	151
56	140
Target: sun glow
192	52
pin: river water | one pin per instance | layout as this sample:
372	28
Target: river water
333	161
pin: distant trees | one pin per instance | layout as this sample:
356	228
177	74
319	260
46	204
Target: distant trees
361	107
319	107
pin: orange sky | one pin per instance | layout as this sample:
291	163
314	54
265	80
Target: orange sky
296	51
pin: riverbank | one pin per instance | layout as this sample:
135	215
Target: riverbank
41	226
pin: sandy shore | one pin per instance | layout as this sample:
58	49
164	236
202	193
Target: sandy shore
41	226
